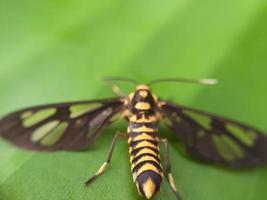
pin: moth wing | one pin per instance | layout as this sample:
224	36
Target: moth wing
215	139
66	126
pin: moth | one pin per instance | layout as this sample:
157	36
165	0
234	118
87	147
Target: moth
76	125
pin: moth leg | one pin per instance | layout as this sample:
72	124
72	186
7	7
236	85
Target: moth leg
168	168
104	166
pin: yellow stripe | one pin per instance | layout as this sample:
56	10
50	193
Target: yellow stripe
143	129
147	167
144	158
150	119
129	140
142	105
143	136
145	144
145	150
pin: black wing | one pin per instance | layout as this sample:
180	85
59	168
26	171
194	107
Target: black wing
215	139
66	126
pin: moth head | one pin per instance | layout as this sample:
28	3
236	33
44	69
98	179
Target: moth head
143	93
142	87
142	99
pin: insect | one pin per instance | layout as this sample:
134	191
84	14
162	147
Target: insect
76	125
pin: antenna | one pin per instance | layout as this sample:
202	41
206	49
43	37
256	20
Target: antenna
112	79
184	80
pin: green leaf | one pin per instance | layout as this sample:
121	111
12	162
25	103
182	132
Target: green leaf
54	51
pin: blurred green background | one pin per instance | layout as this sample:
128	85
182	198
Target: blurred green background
54	51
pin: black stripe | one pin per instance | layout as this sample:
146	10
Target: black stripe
146	115
135	134
135	151
147	124
134	143
145	154
139	165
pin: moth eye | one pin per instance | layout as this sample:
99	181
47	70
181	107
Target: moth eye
54	135
37	117
227	147
247	138
202	120
78	110
40	132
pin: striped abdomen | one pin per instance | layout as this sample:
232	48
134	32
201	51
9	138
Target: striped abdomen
144	153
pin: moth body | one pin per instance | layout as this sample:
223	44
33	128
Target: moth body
143	142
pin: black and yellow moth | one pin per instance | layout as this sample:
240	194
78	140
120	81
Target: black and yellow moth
76	125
